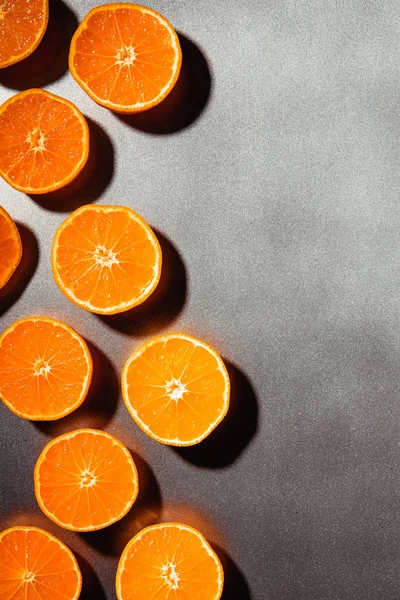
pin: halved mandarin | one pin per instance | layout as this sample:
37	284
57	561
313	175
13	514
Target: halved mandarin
85	480
45	369
106	259
22	26
10	247
35	565
176	388
44	141
127	57
169	561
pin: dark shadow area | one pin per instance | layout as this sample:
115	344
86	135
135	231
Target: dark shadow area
165	303
91	585
100	404
49	61
185	103
230	437
91	182
13	289
235	585
146	511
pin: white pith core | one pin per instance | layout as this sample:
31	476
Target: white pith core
36	140
41	367
87	479
175	389
170	575
126	56
105	257
28	577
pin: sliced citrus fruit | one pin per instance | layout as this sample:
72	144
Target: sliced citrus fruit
10	247
35	565
127	57
85	480
106	259
45	369
22	26
169	561
44	141
176	388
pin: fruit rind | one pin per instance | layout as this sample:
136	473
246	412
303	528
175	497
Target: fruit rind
133	413
14	228
87	355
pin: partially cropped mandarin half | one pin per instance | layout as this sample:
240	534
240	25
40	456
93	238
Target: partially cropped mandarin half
10	247
170	561
85	480
45	369
176	388
127	57
22	26
35	565
106	259
44	142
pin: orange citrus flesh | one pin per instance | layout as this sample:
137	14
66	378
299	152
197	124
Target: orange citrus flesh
10	247
45	369
106	259
176	388
44	141
22	26
35	565
170	561
85	480
127	57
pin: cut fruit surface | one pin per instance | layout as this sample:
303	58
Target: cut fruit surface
169	561
106	259
22	26
35	565
10	247
127	57
85	480
176	388
44	141
45	369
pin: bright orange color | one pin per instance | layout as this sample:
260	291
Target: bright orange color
10	247
35	565
176	388
127	57
170	561
22	26
45	369
85	480
44	141
106	259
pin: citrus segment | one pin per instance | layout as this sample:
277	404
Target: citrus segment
44	141
22	26
106	259
35	565
169	561
10	247
45	369
127	57
85	480
176	388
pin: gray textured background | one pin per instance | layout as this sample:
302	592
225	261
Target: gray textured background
273	175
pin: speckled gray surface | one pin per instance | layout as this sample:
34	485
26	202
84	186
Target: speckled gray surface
274	180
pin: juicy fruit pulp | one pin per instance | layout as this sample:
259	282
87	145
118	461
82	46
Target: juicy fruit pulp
10	247
44	141
45	369
85	480
176	388
127	57
106	259
169	561
35	565
22	26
